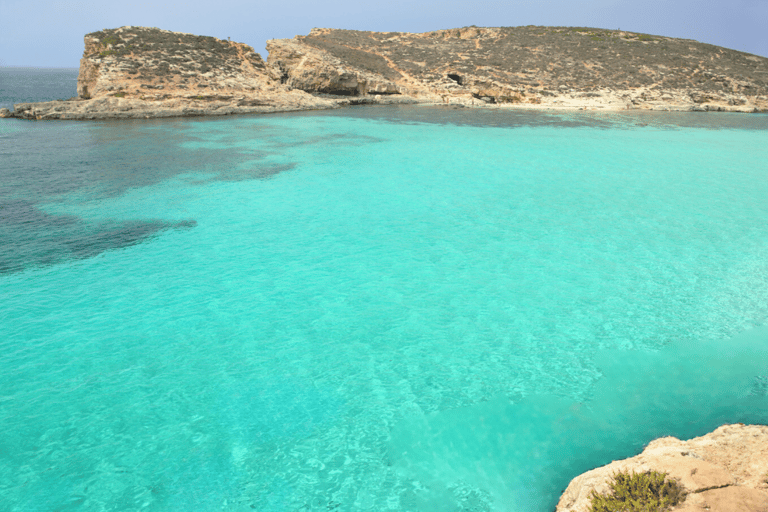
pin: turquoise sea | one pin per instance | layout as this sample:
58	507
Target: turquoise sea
371	309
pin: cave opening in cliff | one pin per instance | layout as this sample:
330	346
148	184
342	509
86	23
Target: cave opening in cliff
456	78
339	91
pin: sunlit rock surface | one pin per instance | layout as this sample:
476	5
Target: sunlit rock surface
529	66
138	72
723	471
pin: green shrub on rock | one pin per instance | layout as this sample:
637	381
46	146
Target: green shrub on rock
639	492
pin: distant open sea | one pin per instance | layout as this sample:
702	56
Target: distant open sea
369	309
19	85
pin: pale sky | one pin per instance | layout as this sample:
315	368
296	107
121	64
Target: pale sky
49	33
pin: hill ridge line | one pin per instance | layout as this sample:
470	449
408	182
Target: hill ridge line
139	72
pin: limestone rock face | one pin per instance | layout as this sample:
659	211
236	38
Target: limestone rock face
151	63
525	66
723	471
133	72
137	72
299	67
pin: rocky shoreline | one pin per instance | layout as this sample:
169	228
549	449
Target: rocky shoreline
526	67
723	471
137	72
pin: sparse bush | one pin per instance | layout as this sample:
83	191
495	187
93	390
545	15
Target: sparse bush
513	98
639	492
644	37
113	39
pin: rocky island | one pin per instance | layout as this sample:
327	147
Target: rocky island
526	66
137	72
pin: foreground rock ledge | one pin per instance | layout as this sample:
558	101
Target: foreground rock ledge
723	471
138	72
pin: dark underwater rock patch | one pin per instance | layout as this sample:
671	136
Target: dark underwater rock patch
34	238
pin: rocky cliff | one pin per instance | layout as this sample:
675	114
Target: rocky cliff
723	471
135	72
527	66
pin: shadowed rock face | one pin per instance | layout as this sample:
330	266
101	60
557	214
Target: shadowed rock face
528	65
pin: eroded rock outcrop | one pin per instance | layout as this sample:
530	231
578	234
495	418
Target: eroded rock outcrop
723	471
529	66
136	72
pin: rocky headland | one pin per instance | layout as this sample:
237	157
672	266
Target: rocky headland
137	72
723	471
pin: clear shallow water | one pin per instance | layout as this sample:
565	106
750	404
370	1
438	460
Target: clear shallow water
371	309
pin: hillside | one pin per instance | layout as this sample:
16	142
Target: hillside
526	65
137	72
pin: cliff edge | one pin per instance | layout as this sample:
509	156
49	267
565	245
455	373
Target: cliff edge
723	471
